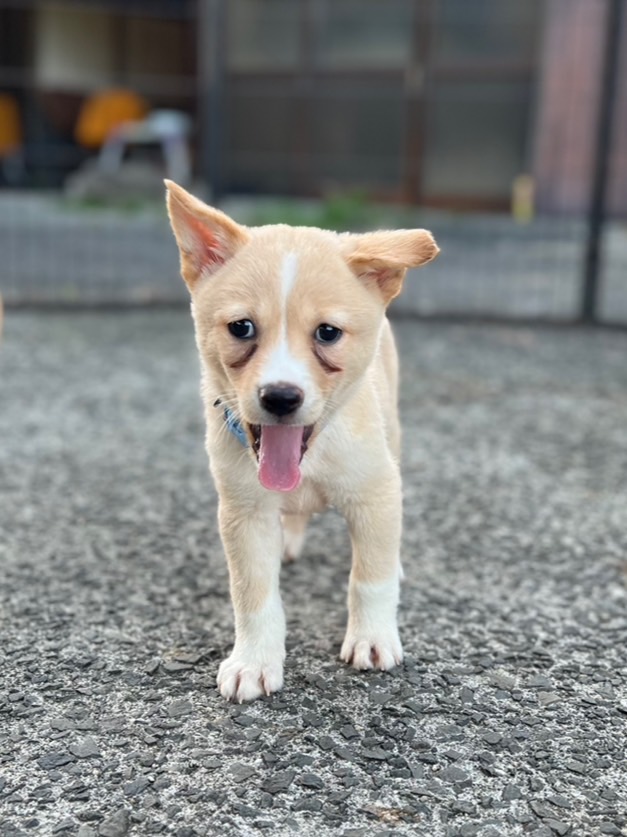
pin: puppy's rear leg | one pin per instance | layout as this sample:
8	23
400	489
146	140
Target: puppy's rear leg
294	526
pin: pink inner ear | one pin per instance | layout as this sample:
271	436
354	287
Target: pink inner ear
381	273
210	251
386	276
375	269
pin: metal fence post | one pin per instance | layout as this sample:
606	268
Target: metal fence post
598	201
211	60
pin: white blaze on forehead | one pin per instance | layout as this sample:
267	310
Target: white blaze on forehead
288	278
282	365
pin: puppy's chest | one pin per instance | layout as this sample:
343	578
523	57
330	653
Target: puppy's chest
309	498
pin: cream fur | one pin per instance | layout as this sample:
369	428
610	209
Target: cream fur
289	281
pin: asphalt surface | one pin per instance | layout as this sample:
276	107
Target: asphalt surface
508	716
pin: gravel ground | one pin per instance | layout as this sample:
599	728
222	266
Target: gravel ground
509	714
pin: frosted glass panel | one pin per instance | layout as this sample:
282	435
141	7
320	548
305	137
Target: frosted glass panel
259	143
485	29
476	138
362	33
357	138
263	36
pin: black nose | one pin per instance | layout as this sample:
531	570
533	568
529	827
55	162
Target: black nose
281	399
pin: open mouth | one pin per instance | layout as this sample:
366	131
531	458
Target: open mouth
279	449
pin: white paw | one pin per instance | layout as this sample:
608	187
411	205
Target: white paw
364	651
241	678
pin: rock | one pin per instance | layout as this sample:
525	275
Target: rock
62	724
245	810
64	825
174	666
548	698
541	809
279	782
502	680
380	698
241	772
302	760
50	761
86	748
137	786
558	826
244	720
512	791
179	707
310	803
191	657
456	776
115	825
539	681
349	732
375	753
310	780
560	801
610	828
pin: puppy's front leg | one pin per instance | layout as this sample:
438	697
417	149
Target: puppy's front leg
374	520
253	545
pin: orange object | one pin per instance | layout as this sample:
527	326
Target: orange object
10	126
103	112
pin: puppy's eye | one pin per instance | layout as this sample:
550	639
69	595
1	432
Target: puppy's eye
326	333
242	329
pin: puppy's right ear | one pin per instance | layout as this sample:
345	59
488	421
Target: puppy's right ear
207	238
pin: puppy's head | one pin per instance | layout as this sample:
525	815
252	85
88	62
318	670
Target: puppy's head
287	319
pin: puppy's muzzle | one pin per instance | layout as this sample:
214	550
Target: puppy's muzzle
281	399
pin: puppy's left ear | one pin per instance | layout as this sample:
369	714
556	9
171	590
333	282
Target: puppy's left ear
381	258
207	238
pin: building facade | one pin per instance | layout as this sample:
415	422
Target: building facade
435	102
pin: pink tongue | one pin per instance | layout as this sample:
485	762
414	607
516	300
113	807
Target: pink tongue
279	456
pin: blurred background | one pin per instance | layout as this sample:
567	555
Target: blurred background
500	126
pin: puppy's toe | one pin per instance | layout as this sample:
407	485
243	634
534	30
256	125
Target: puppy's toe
364	653
249	686
361	656
240	680
387	656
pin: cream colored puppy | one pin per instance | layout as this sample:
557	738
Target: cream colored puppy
299	381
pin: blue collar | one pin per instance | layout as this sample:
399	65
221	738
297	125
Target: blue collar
233	424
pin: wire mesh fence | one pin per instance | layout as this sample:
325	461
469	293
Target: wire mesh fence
480	123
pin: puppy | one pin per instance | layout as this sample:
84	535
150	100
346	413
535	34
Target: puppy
299	382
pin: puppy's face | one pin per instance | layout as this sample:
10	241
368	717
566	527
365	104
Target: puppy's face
287	320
